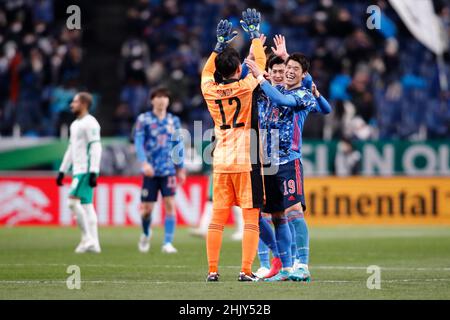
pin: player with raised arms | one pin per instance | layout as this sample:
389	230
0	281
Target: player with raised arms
297	224
237	171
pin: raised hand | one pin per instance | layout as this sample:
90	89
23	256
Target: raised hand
225	35
253	67
250	22
280	47
315	91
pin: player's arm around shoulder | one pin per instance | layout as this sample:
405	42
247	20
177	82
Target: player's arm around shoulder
305	100
323	105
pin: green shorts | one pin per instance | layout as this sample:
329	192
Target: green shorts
81	189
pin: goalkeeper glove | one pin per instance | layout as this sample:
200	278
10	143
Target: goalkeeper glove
250	22
92	179
224	35
59	179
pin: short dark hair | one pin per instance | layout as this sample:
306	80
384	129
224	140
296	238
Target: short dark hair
300	58
160	92
227	62
273	61
86	98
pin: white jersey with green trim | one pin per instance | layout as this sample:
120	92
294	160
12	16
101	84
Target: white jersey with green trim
84	150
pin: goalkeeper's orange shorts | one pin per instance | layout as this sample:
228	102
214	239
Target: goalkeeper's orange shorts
243	189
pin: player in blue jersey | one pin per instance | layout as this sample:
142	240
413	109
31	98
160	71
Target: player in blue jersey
275	74
296	217
285	113
160	151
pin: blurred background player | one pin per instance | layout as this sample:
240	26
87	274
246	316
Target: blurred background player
83	155
155	138
237	179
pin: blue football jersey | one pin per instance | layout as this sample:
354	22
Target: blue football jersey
283	125
159	138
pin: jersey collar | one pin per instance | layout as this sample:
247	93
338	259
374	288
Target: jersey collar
228	81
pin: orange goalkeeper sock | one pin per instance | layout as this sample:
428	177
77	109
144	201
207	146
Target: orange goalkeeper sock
214	237
250	239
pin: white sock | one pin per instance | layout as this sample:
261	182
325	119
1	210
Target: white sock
238	219
92	222
206	218
80	213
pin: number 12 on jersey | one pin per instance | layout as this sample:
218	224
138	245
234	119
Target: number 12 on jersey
231	102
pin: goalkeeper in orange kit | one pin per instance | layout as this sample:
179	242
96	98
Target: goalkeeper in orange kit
237	175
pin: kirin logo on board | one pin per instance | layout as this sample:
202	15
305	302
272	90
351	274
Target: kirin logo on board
21	203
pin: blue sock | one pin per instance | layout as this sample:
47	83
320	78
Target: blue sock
294	241
301	236
284	239
263	254
267	235
146	223
169	228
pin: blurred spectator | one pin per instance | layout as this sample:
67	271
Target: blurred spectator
359	68
380	83
37	60
348	160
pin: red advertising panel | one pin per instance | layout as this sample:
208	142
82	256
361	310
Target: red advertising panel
39	201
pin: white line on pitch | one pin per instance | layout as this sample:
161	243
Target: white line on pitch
146	282
320	267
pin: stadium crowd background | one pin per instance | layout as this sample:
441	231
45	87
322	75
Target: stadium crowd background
382	84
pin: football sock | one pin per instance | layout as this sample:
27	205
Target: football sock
80	213
214	237
293	241
267	235
263	255
301	235
169	228
146	223
250	238
284	239
92	221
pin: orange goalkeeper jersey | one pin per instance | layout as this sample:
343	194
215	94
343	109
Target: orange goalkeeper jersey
233	107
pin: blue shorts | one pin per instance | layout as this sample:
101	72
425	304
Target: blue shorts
285	188
152	185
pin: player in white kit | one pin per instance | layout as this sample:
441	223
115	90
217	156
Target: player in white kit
83	155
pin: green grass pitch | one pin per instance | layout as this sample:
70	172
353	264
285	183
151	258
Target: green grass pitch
414	261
